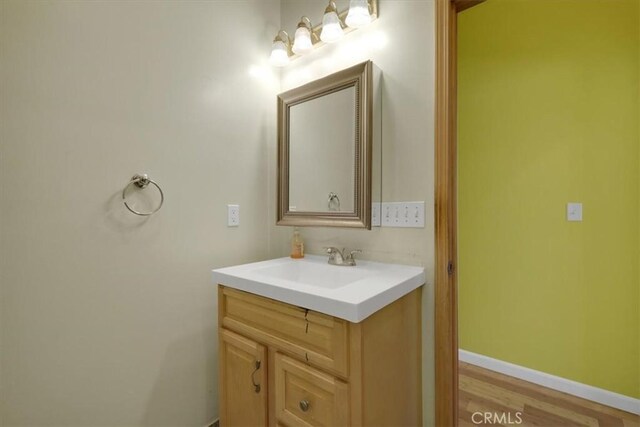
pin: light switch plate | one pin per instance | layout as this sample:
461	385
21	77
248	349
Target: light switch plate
376	221
403	214
574	211
415	212
233	215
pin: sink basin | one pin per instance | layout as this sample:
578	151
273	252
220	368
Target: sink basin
350	293
314	274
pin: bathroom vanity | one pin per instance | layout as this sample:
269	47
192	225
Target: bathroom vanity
304	343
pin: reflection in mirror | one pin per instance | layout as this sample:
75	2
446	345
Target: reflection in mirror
322	135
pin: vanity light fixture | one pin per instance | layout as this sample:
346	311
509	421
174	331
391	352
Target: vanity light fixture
359	14
280	49
331	25
305	37
334	25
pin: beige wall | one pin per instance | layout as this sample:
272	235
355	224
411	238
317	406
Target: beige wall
401	44
107	318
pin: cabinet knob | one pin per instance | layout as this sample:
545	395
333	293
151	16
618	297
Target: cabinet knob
304	405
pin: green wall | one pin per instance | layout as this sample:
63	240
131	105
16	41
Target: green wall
548	114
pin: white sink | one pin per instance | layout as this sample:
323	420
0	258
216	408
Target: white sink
350	293
314	274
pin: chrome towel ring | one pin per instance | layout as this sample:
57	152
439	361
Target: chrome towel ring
333	203
141	181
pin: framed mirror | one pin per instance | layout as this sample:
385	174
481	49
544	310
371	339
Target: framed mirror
326	150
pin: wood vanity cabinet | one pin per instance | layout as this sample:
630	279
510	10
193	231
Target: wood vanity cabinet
282	365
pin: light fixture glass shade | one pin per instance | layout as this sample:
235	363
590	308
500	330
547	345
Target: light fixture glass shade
331	28
358	15
279	54
302	43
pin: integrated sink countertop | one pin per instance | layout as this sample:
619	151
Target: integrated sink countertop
350	293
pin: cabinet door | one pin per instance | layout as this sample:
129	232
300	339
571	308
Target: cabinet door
243	381
306	397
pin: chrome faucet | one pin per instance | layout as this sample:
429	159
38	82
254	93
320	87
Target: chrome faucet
337	257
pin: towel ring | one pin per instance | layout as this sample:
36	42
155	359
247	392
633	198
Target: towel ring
141	181
333	203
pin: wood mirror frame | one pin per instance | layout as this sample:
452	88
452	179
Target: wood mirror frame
359	77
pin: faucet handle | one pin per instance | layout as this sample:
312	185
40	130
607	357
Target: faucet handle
352	253
334	253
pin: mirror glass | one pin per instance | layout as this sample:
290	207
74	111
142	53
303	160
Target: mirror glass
329	150
322	135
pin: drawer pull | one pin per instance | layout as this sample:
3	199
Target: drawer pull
304	405
253	381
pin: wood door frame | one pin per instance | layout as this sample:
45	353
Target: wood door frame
446	293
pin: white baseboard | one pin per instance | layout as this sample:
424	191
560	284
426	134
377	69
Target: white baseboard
564	385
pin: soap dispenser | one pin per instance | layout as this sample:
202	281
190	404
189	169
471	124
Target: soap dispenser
297	245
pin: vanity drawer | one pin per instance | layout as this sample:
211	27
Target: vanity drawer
308	397
317	338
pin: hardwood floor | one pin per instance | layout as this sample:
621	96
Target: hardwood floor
506	400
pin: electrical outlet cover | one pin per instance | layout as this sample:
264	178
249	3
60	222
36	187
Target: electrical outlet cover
233	215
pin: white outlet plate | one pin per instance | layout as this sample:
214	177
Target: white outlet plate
403	214
233	215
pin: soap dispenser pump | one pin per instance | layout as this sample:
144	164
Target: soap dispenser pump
297	245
